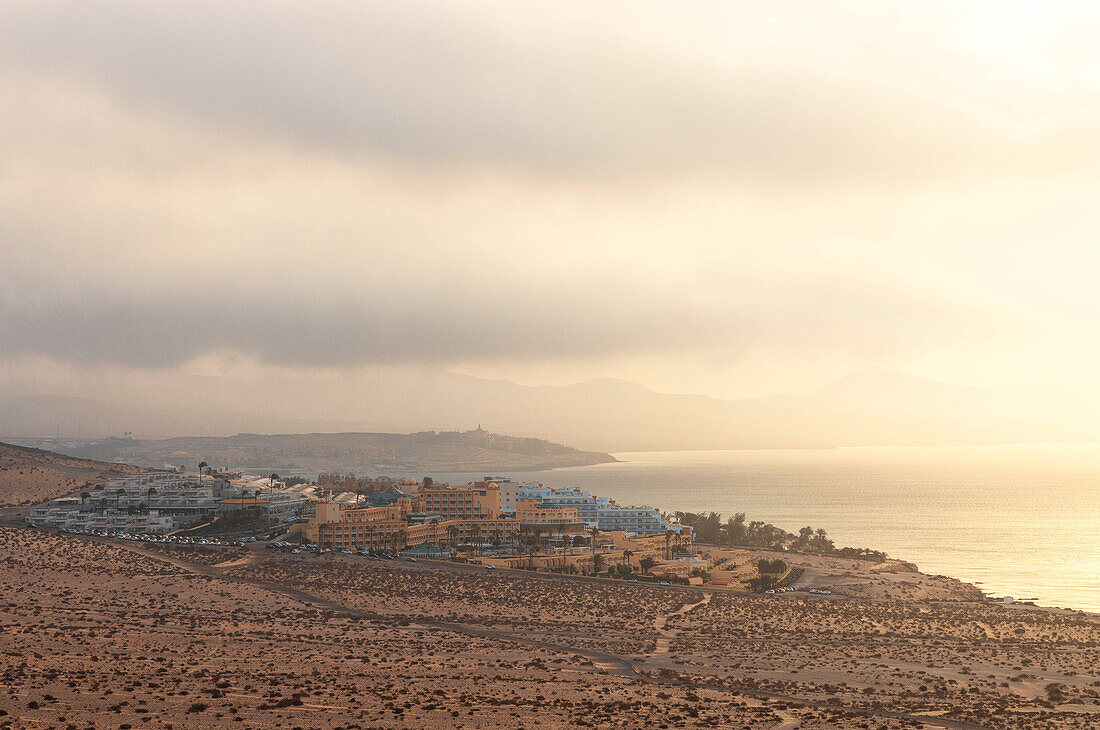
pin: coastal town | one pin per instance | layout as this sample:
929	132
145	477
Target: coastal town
216	597
495	522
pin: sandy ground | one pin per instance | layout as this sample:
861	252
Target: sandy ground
890	580
29	476
101	634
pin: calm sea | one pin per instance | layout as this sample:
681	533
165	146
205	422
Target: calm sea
1016	520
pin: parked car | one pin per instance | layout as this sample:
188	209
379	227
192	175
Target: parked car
665	583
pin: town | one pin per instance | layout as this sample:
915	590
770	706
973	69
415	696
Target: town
437	604
495	522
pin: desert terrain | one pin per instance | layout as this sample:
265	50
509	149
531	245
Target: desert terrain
98	633
29	475
888	580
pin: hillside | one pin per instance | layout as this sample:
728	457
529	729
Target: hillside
870	408
29	475
360	453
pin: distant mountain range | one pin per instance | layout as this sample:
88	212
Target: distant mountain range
870	408
347	453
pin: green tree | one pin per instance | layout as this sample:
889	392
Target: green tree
821	541
475	537
735	530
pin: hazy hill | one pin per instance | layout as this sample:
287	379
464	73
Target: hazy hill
879	389
871	408
32	475
358	453
43	416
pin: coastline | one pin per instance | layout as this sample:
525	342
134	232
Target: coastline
967	512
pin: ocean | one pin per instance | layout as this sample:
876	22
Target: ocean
1020	520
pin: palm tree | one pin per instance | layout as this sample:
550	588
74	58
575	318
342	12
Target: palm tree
668	541
83	496
273	478
452	535
202	465
532	548
475	536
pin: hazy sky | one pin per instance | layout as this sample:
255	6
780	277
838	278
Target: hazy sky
728	198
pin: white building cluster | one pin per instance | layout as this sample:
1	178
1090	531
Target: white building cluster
602	513
160	504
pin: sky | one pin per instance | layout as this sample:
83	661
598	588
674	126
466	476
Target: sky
724	198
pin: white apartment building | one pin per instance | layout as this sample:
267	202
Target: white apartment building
158	503
602	513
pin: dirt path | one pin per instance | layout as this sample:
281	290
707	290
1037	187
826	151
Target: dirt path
246	560
789	721
665	635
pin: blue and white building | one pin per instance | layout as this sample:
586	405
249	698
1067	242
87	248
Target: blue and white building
602	513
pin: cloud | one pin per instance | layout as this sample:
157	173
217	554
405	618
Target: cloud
596	315
780	97
339	184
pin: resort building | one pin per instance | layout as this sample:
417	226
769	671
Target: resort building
509	493
391	528
477	501
555	519
602	513
388	496
475	514
161	503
